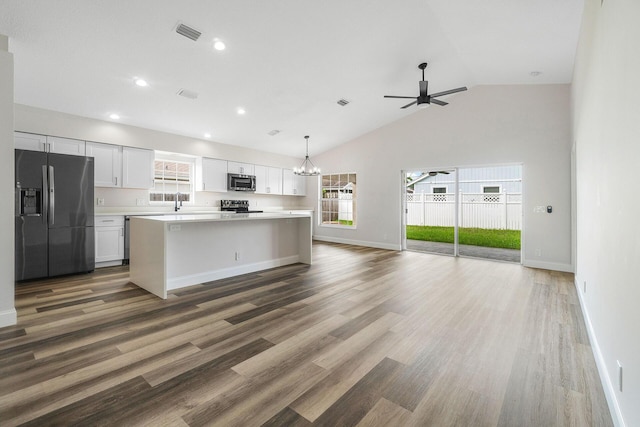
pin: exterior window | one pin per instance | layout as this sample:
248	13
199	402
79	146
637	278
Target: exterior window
439	194
492	193
172	178
338	200
490	189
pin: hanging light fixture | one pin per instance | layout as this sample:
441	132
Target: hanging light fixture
307	168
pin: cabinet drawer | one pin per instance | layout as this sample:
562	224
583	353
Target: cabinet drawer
109	221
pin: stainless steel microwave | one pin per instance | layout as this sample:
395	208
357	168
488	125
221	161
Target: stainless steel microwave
238	182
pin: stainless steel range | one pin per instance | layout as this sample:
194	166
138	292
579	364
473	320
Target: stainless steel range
238	206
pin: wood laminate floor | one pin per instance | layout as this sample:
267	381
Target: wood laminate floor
364	337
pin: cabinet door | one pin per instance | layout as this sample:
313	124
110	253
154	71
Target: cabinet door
29	141
211	175
288	182
274	183
262	179
301	185
241	168
137	167
107	164
109	243
72	147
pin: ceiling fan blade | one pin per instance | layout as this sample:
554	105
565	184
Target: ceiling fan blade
410	104
437	101
447	92
393	96
423	88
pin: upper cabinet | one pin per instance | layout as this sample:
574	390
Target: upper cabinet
268	180
211	175
292	184
123	167
241	168
137	167
107	164
48	144
72	147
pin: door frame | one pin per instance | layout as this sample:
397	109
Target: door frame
456	169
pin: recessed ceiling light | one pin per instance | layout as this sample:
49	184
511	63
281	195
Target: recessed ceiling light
535	73
218	44
114	116
241	110
207	135
141	82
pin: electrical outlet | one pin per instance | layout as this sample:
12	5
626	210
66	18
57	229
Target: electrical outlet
100	201
175	227
140	202
539	209
538	252
619	375
237	256
584	287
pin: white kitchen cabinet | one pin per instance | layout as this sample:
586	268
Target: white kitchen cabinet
211	175
29	141
107	164
241	168
68	146
48	144
109	240
137	167
292	184
268	180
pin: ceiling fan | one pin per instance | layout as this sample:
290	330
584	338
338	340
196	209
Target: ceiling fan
424	97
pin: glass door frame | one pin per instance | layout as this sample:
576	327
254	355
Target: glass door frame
457	201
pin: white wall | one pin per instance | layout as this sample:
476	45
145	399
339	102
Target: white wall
7	310
46	122
606	130
487	125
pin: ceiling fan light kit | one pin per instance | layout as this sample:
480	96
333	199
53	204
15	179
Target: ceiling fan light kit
424	99
307	168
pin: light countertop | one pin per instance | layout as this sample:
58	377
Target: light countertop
222	216
132	212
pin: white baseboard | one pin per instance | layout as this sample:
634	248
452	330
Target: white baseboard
208	276
607	384
555	266
390	246
108	263
8	317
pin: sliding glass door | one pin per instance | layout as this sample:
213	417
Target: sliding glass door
430	211
474	212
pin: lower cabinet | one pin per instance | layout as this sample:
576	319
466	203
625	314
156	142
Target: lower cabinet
109	240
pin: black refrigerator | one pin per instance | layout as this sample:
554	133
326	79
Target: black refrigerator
54	215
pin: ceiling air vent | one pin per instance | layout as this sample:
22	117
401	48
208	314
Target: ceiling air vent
188	32
188	93
273	132
342	102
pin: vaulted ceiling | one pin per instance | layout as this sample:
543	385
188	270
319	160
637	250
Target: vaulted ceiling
286	62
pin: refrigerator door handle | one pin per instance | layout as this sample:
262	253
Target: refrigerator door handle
45	195
52	197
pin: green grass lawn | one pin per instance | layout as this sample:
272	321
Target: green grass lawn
508	239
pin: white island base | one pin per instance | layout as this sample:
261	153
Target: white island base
174	251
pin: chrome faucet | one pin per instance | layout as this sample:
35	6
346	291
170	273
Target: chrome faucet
177	208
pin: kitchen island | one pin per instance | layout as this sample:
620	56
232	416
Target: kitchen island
174	251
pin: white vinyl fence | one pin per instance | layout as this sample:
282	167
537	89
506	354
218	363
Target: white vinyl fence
476	210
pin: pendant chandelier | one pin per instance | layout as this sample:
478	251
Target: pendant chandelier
307	168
